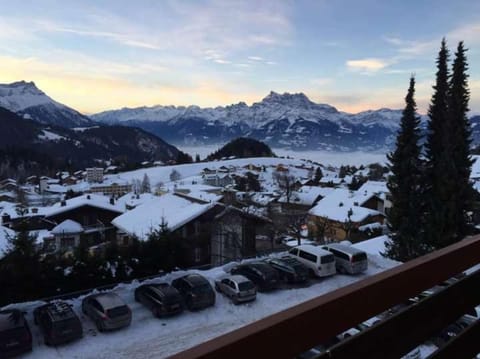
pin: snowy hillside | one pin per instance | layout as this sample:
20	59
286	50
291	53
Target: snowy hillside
26	99
281	120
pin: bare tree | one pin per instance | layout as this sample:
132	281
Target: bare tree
175	175
285	182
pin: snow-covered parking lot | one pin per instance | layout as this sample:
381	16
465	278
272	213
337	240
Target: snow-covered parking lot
152	337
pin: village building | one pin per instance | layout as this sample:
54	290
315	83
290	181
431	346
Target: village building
342	213
201	226
94	175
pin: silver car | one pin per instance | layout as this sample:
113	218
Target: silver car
107	310
237	287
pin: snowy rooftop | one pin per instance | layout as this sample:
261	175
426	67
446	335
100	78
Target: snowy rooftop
307	195
374	187
336	205
93	200
475	167
172	209
133	200
68	227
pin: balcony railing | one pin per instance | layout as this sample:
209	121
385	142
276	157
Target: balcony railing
295	330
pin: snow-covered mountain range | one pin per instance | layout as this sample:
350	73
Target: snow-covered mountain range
24	98
281	120
289	121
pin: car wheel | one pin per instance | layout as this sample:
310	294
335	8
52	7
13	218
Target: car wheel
99	325
189	303
217	288
311	272
235	300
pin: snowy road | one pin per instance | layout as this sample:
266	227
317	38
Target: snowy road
151	337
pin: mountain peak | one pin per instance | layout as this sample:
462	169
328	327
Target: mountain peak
20	88
26	99
287	98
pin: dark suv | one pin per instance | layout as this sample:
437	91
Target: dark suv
162	299
196	291
262	274
289	269
58	322
15	335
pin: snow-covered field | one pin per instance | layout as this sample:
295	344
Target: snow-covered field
323	157
151	337
187	171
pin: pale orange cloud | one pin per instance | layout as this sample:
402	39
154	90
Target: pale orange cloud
91	93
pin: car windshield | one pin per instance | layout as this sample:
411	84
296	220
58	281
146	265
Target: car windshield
172	298
117	311
201	289
245	286
327	259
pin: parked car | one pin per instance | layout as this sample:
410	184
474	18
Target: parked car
321	263
348	259
262	274
58	323
107	310
162	299
289	269
196	291
237	287
15	335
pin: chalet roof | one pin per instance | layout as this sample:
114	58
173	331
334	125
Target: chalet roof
93	200
67	227
374	187
133	200
173	209
307	195
338	203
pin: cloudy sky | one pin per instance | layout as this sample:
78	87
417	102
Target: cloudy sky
355	55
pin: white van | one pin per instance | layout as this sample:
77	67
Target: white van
319	261
348	259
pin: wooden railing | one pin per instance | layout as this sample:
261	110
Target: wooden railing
295	330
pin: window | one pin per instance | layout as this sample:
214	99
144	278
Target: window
359	257
96	305
308	256
67	242
327	259
198	254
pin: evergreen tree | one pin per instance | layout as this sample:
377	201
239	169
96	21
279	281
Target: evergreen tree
461	134
318	176
146	188
441	173
20	268
404	218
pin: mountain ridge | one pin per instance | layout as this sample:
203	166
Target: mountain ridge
280	120
27	100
